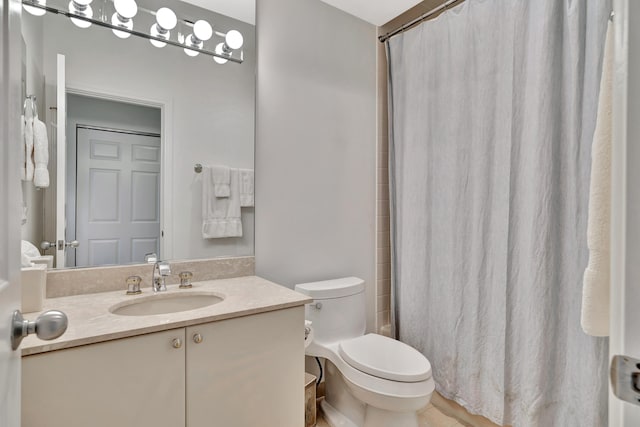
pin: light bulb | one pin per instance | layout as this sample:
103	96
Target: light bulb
193	42
234	39
35	10
202	30
81	8
156	32
220	51
118	21
166	18
127	9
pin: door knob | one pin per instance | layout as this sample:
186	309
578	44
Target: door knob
74	244
48	326
176	343
197	338
54	245
48	245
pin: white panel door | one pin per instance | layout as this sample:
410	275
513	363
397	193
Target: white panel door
625	209
118	197
10	108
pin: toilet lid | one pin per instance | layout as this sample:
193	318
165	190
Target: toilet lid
385	358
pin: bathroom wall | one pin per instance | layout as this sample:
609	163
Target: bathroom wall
212	108
33	85
315	145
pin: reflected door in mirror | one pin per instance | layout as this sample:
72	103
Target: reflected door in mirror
118	190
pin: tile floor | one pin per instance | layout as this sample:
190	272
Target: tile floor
428	417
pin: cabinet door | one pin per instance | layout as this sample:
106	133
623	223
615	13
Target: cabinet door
247	371
129	382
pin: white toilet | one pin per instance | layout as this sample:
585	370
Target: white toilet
370	380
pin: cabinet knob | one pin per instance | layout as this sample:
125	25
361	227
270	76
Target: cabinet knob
176	343
197	338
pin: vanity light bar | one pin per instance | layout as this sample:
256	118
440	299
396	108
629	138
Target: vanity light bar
90	20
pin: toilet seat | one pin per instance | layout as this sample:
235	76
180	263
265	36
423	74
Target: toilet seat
385	358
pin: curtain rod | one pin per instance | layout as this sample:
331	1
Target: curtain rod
418	20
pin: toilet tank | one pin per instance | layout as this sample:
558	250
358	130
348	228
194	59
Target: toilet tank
338	308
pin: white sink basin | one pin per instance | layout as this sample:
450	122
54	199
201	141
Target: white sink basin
163	304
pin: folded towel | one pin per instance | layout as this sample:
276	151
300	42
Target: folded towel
221	176
220	215
40	154
246	187
595	290
28	148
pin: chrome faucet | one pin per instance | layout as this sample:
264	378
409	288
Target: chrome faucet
161	269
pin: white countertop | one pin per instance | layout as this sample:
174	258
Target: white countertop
90	320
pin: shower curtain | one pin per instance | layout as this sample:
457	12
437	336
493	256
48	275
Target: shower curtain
492	112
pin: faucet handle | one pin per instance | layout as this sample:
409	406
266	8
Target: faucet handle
185	279
164	268
133	285
151	258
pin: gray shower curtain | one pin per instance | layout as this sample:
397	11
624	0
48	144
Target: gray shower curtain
492	113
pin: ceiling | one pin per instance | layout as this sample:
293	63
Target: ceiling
242	10
376	12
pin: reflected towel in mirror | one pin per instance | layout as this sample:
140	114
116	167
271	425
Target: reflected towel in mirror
246	187
40	154
220	215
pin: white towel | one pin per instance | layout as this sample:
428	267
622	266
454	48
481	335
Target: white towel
28	148
40	154
246	187
220	216
595	291
221	176
23	150
28	252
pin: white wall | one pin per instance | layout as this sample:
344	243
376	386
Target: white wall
315	145
212	120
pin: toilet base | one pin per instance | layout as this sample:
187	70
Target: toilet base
342	409
374	417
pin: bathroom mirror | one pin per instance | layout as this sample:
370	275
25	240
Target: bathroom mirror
137	120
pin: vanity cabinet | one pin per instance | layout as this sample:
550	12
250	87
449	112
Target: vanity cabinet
245	371
129	382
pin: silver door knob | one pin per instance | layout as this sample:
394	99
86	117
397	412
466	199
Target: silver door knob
48	245
197	338
73	244
176	343
48	326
